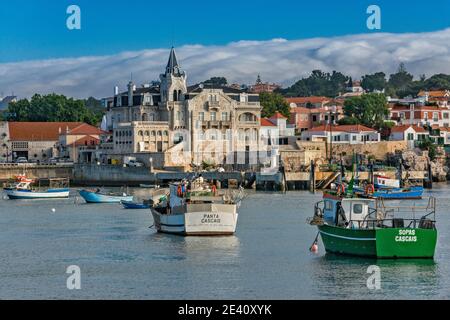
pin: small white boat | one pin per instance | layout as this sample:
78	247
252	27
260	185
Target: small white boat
200	211
23	190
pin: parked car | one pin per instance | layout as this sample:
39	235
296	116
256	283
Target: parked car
21	160
52	160
134	163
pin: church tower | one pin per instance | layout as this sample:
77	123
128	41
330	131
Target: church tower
173	81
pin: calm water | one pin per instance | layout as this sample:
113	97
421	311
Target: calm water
121	258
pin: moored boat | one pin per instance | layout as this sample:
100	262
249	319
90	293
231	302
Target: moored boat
366	227
135	205
197	209
388	189
24	190
98	197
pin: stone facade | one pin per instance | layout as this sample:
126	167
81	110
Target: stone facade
186	124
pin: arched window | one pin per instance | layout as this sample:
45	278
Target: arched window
144	117
175	95
147	133
247	117
140	133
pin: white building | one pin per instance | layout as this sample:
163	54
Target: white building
352	134
409	133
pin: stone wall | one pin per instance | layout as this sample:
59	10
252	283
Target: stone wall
9	171
378	150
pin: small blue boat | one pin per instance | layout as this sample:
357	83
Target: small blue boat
399	193
134	205
391	193
97	197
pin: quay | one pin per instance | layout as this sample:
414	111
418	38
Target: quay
114	175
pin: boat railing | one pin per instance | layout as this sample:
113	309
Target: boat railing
424	210
413	223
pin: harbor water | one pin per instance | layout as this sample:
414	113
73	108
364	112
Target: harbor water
120	257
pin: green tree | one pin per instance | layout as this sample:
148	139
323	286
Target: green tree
370	109
273	102
348	120
372	82
318	84
401	81
216	81
50	108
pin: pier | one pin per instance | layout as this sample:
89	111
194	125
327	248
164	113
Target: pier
113	175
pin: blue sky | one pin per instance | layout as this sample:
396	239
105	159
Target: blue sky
35	29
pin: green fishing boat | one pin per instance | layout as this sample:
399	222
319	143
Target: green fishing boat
366	227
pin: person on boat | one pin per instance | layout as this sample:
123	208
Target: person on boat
183	189
341	220
214	189
179	193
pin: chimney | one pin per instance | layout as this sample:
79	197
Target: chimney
131	89
116	90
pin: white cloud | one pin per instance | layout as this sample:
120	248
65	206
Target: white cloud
277	60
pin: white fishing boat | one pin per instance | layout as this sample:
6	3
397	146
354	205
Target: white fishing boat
197	209
58	188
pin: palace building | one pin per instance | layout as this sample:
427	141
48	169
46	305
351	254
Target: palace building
162	121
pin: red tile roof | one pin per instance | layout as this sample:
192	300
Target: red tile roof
85	128
344	128
267	123
433	93
48	131
277	115
39	131
303	100
86	140
405	127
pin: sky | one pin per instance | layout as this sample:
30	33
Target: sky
282	40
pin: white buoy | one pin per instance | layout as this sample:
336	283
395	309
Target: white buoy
53	210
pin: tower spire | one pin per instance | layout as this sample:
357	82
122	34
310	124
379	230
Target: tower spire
172	64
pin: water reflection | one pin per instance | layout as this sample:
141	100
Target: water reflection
339	276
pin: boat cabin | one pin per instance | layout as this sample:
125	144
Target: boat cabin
341	211
385	182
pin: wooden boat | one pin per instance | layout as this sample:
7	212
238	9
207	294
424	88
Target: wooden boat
366	227
198	209
134	205
24	190
97	197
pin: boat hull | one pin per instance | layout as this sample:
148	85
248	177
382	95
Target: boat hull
200	223
380	243
92	197
15	194
398	194
393	194
133	205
